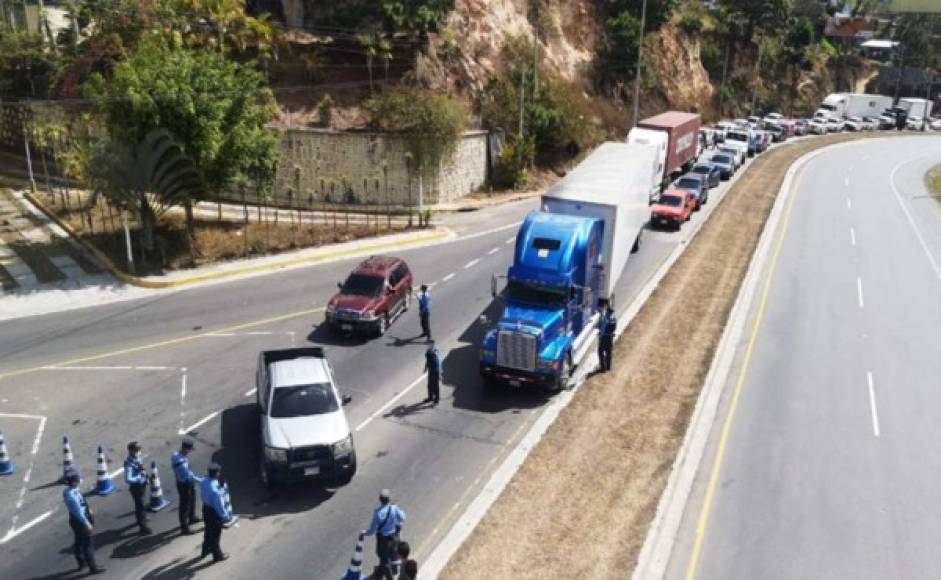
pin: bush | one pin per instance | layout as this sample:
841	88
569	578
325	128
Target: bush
431	121
325	110
691	24
512	164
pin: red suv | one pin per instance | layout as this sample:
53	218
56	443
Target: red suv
374	295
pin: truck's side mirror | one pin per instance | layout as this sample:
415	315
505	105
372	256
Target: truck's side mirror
493	286
346	399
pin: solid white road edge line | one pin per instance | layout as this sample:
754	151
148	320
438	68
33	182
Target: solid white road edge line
872	404
859	290
664	529
497	482
911	220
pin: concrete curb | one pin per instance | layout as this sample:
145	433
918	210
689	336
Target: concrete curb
481	504
420	238
661	537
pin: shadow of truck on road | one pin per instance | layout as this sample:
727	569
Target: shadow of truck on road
461	373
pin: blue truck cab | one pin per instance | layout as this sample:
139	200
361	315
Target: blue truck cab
551	299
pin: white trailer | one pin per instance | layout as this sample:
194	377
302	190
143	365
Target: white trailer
658	141
612	184
919	108
843	105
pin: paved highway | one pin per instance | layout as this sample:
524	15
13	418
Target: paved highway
184	361
831	466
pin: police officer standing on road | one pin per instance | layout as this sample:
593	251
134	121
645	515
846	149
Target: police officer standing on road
424	311
82	522
386	524
434	369
136	479
606	328
215	513
186	482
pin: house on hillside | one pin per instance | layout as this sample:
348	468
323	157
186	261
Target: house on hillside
850	31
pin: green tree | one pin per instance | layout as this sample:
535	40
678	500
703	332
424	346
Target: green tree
617	53
215	109
764	15
27	69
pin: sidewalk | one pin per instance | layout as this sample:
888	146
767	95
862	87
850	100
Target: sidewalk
33	257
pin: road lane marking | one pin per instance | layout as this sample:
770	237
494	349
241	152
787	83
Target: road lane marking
510	240
251	391
448	277
199	423
852	236
846	181
391	402
116	472
182	396
472	263
493	251
161	343
859	291
872	404
849	203
14	531
911	220
711	487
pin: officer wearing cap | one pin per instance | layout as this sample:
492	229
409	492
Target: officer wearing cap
424	311
82	522
607	327
186	482
434	369
386	524
215	512
136	479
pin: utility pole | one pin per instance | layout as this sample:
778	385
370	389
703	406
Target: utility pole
640	61
754	95
725	72
535	4
522	100
899	69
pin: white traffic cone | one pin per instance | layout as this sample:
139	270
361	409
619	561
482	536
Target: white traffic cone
67	460
157	501
355	571
6	464
104	485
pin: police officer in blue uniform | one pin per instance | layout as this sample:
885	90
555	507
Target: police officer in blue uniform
434	369
136	479
606	329
186	482
424	311
386	524
215	513
82	522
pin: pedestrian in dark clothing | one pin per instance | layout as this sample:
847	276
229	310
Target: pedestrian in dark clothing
606	329
434	369
215	513
409	569
82	522
186	482
136	479
386	524
424	311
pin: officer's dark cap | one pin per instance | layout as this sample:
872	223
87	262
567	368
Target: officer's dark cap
133	446
424	286
71	476
188	443
214	469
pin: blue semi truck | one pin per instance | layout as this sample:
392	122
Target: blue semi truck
568	259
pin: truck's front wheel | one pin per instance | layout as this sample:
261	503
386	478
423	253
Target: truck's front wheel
565	374
266	479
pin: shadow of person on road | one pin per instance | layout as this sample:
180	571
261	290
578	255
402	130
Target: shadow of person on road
240	458
407	410
140	545
468	388
418	340
179	569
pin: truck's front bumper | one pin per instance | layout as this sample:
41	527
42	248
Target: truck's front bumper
329	469
517	378
348	325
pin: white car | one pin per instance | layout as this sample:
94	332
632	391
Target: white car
735	152
935	124
835	125
854	124
818	126
914	123
304	430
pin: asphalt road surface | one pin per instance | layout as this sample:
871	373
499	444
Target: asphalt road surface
184	361
831	466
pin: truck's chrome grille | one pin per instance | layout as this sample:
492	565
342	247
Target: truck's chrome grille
516	350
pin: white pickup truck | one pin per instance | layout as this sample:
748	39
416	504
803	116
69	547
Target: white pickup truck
304	430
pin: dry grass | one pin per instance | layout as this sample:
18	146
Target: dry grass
583	500
215	241
933	180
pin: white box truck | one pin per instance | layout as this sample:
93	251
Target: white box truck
917	112
843	105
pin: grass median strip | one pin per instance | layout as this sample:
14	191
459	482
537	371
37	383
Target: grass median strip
584	498
934	182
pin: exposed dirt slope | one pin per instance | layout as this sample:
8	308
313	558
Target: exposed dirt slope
582	502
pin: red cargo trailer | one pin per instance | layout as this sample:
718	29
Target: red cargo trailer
682	130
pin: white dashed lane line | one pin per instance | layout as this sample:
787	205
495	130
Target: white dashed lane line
448	277
472	263
849	203
510	241
872	404
859	291
853	236
493	251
